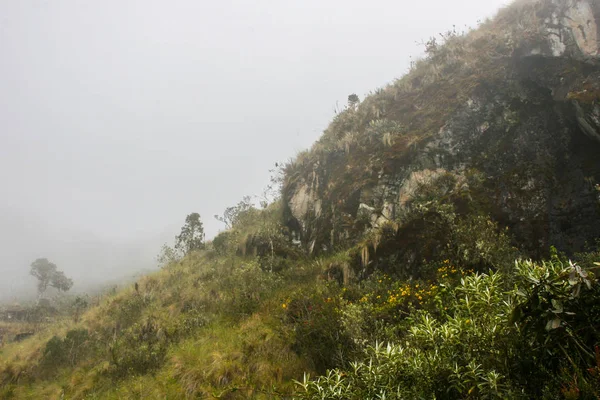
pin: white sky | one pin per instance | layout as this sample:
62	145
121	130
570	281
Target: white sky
119	117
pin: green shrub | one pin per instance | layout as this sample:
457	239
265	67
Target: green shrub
490	340
126	310
429	232
318	331
557	307
139	349
68	351
222	242
245	286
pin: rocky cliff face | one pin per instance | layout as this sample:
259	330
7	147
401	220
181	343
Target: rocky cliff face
507	115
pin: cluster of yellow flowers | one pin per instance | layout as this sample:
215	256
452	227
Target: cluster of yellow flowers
407	291
447	270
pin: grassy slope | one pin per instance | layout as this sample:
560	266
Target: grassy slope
219	319
211	327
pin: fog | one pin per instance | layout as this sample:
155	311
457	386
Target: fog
119	117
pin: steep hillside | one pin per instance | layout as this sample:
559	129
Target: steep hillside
506	115
439	241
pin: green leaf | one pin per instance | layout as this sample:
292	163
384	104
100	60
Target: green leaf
521	292
558	306
553	324
516	314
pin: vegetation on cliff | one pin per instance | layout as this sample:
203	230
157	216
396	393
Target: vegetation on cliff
437	242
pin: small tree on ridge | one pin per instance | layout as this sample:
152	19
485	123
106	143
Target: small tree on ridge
48	274
192	235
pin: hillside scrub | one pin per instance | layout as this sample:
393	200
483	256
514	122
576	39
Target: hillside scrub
410	254
482	338
150	331
224	326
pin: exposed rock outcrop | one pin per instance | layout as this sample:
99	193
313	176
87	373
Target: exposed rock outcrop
515	104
